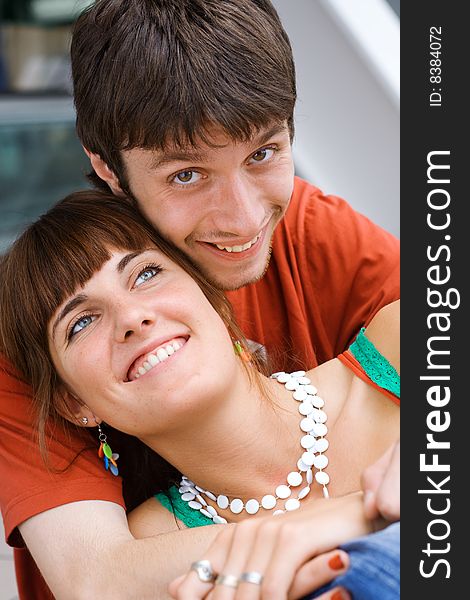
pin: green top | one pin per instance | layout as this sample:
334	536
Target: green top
172	501
376	366
378	369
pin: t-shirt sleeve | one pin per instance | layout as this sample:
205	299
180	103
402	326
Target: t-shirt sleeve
28	487
353	265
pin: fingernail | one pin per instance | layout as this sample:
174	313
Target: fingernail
337	596
336	563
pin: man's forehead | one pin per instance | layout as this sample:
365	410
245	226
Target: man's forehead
217	139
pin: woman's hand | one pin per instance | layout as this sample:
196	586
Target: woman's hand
283	549
381	486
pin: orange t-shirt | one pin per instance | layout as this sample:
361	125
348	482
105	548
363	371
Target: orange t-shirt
331	270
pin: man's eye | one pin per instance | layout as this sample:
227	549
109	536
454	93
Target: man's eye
262	155
148	273
185	177
80	324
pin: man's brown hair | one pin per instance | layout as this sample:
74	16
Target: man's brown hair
153	73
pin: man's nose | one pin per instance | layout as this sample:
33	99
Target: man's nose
241	209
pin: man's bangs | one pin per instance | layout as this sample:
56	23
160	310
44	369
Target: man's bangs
150	130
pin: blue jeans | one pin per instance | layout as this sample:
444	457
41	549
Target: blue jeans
374	570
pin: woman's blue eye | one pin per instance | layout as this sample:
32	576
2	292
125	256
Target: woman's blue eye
81	324
146	274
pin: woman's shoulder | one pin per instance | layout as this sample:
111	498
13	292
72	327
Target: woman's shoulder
151	518
384	332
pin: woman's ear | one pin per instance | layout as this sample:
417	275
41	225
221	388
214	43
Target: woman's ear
104	172
75	411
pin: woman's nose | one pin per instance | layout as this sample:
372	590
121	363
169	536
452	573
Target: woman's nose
133	320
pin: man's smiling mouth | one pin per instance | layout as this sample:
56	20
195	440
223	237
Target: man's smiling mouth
242	248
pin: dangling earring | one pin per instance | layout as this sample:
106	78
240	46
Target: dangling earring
240	350
106	453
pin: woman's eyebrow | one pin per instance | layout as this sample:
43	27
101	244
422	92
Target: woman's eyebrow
125	260
71	305
81	298
122	264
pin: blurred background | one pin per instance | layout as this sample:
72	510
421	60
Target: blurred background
347	117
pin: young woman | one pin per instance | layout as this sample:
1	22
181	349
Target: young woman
110	324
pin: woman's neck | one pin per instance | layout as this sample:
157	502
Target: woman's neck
249	441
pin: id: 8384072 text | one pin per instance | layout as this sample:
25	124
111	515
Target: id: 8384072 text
435	66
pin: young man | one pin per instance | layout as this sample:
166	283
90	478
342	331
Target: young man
187	107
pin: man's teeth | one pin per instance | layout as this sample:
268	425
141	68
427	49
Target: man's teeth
161	355
239	248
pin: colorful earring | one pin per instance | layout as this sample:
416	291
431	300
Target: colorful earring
240	350
106	453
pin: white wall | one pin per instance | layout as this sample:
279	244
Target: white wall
347	117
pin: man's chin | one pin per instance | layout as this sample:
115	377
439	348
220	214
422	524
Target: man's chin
238	277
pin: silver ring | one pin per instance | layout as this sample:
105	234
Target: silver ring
251	577
203	570
228	580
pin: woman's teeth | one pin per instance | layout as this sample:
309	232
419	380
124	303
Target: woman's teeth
156	357
239	248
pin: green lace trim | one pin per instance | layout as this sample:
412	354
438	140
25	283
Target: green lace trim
377	367
172	501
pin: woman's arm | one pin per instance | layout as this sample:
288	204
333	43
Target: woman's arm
381	486
151	518
381	481
278	546
384	332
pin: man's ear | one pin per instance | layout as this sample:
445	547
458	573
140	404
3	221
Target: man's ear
75	411
104	172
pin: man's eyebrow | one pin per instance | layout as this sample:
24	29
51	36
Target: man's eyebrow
183	156
71	305
265	136
196	156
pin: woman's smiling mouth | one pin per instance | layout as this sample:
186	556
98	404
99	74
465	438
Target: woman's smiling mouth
146	362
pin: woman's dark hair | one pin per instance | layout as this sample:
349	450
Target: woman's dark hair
153	73
54	257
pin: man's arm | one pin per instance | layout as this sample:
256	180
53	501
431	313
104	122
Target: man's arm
83	547
85	550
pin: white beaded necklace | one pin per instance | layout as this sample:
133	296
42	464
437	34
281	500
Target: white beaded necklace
313	444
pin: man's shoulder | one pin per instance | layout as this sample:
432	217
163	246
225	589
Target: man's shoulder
308	202
304	193
315	219
321	219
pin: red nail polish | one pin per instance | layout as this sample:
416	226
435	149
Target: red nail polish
337	596
336	564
